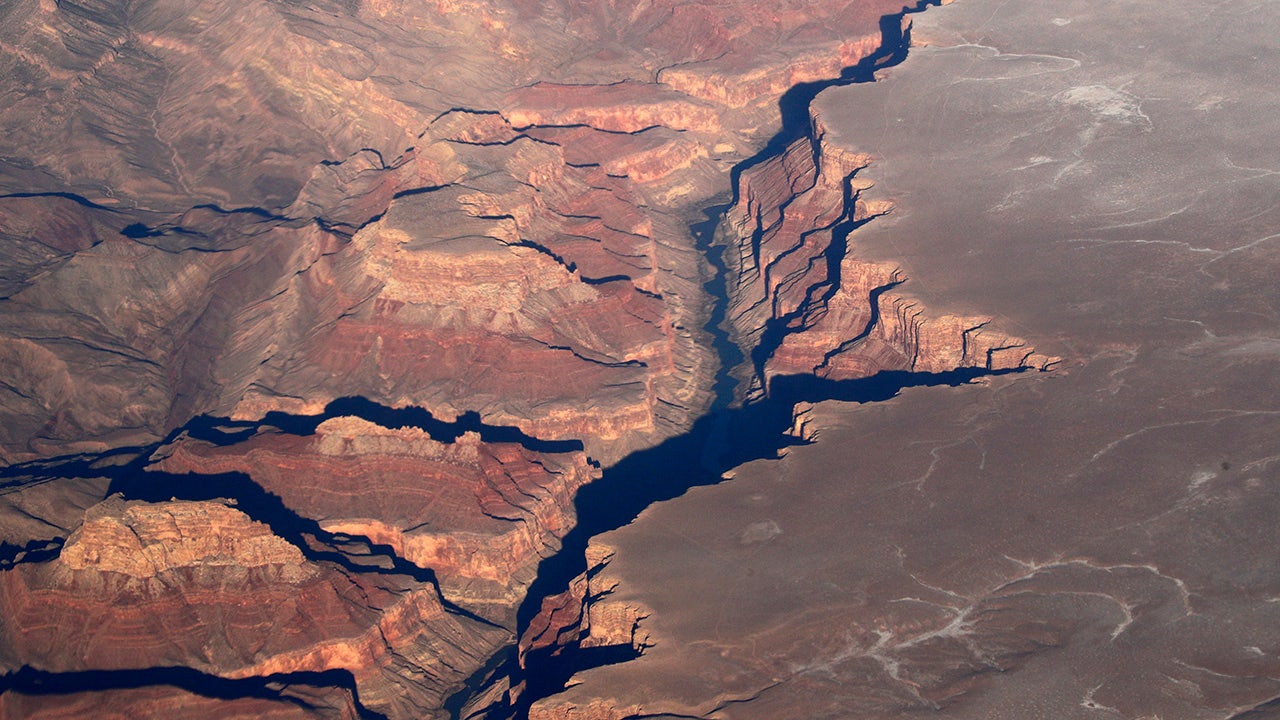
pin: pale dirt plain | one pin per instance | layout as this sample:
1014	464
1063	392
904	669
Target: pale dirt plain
1097	541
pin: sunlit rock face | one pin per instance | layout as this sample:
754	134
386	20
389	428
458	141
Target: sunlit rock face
479	514
1094	541
178	704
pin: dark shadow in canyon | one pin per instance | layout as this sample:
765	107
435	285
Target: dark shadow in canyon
756	430
36	550
130	474
716	443
221	431
29	681
776	329
728	435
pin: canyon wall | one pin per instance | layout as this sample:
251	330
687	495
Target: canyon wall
1097	541
801	300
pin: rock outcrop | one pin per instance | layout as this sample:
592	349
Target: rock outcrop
177	704
218	212
583	615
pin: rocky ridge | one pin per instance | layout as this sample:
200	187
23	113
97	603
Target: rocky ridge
150	585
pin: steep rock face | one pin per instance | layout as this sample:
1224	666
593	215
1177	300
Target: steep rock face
146	540
522	264
802	303
478	514
583	616
200	585
585	611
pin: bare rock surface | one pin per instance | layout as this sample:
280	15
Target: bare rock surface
478	514
803	302
1092	542
175	703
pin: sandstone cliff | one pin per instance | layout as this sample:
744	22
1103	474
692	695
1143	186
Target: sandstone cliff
205	203
478	514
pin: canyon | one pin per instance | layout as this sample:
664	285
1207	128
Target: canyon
1095	541
400	359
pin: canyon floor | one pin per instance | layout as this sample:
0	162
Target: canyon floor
490	359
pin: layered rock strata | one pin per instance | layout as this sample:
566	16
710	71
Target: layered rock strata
478	514
216	212
802	302
201	585
583	616
1088	543
175	703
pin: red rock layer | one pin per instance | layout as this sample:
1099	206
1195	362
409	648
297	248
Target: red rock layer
474	292
480	515
238	163
585	616
795	275
200	585
262	207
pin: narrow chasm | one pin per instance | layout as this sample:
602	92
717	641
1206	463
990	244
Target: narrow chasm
135	477
733	431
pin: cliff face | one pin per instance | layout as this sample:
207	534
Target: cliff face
178	704
1086	543
478	514
801	304
584	616
353	554
507	259
462	256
